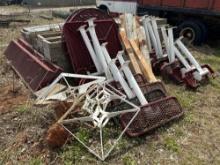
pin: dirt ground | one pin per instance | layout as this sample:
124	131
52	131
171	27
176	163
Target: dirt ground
195	139
19	9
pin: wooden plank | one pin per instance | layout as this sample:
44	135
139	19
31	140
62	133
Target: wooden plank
129	51
146	68
122	21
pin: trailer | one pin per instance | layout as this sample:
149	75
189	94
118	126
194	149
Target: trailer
194	18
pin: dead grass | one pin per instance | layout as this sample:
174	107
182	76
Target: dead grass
12	8
193	140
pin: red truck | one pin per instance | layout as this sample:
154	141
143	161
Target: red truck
193	18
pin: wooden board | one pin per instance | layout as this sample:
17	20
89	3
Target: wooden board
146	68
129	51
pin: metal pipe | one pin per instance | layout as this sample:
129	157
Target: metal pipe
143	20
189	55
131	80
156	33
98	48
143	45
105	52
90	49
181	58
116	73
152	36
171	44
166	40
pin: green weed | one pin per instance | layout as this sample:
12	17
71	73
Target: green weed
127	160
171	144
22	109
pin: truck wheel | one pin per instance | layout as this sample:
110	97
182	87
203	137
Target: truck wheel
104	8
203	29
191	31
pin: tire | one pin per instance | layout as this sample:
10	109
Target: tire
204	30
8	2
191	31
103	8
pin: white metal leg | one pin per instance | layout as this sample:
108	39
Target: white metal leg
201	72
116	73
147	34
98	49
156	33
93	55
131	79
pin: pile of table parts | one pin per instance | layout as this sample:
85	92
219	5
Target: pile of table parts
171	58
137	101
99	76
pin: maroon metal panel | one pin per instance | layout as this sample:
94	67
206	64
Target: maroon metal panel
216	5
106	29
172	3
197	4
30	65
151	2
151	116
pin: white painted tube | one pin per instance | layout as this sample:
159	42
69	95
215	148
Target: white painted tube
98	50
182	59
131	80
117	74
89	46
189	55
130	23
171	44
152	37
147	34
166	40
105	52
143	43
156	33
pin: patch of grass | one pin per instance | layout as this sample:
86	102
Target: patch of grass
72	154
213	62
36	161
4	156
122	143
179	132
171	144
22	109
186	98
215	83
83	135
128	160
189	118
192	158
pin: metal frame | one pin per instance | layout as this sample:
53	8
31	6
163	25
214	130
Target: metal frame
181	64
96	102
70	90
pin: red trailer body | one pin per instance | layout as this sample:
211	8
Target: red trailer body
195	4
206	5
194	18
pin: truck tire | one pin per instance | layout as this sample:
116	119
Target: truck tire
191	31
104	8
204	30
